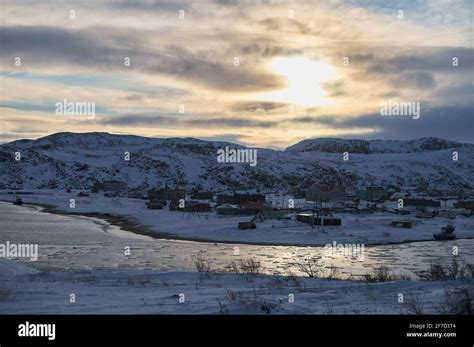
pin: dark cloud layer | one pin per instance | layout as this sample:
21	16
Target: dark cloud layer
252	106
43	46
444	122
199	122
432	59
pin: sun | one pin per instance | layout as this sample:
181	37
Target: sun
304	80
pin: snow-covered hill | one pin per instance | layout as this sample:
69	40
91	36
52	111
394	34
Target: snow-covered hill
76	160
376	146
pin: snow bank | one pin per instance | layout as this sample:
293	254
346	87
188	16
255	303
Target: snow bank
195	293
9	268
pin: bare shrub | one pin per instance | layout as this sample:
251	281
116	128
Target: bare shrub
458	301
436	272
414	305
333	272
139	281
201	264
231	295
247	266
223	308
289	280
458	269
310	267
328	308
403	277
6	292
470	270
251	301
380	274
267	307
292	278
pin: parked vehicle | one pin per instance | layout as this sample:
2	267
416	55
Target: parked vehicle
446	233
251	225
247	225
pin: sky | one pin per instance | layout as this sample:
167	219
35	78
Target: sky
259	73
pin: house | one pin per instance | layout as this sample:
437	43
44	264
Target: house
251	208
361	194
191	206
325	194
374	193
248	209
273	214
109	186
304	217
225	199
468	205
421	203
199	207
203	195
283	201
114	186
240	198
227	210
392	189
315	220
156	204
167	194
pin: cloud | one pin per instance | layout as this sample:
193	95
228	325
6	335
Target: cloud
217	75
253	106
233	138
191	62
104	81
445	122
175	121
268	49
433	59
84	48
323	120
280	24
151	5
40	45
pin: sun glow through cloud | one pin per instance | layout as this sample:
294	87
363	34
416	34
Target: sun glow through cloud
305	78
283	62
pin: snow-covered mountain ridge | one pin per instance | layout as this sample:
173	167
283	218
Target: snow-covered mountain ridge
76	160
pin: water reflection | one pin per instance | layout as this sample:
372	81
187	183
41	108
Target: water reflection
79	243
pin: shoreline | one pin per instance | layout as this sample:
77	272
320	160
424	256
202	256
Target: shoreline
126	224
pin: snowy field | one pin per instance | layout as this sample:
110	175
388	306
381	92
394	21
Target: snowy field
26	291
373	228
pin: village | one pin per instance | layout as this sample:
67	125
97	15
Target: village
317	216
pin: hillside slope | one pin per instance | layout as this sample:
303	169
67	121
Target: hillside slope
76	160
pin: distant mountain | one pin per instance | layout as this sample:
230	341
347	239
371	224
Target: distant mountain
76	160
329	145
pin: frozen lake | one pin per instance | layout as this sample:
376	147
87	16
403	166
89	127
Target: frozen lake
81	243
